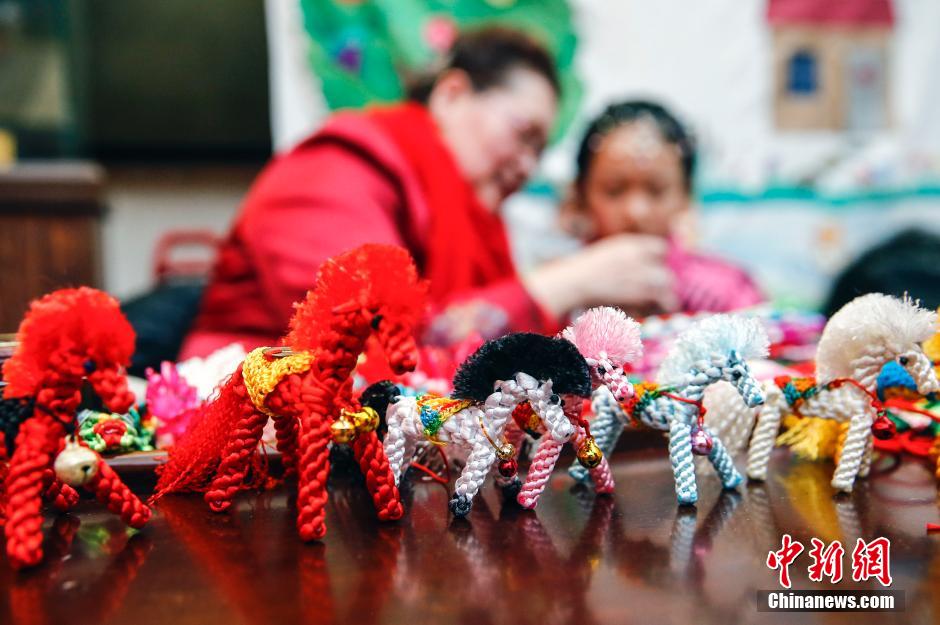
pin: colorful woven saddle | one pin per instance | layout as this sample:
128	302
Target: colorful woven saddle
435	410
644	393
796	390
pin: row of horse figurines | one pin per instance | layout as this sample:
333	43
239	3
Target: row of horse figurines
856	344
520	382
526	383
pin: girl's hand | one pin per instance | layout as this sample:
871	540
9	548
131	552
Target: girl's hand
625	270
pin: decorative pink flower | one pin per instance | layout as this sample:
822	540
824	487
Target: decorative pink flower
170	399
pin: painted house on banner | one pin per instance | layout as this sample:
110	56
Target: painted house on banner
830	60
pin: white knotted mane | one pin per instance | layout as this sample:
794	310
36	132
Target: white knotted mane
717	335
868	324
606	332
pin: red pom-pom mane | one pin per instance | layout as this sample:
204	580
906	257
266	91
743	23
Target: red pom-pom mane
373	277
83	320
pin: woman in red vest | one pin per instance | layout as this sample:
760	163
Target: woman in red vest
430	175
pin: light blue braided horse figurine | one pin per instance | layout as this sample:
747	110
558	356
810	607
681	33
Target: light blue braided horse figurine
710	351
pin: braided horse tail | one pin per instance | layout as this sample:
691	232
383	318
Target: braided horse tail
193	461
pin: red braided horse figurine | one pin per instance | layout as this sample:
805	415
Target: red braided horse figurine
306	387
66	338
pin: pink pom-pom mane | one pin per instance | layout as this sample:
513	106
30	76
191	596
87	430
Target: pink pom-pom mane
605	332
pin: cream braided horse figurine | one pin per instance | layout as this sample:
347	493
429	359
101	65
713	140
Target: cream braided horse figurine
858	341
549	373
608	339
712	350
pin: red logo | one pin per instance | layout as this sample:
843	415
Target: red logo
826	562
784	558
872	559
869	560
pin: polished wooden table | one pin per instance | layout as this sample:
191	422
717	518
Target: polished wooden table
631	558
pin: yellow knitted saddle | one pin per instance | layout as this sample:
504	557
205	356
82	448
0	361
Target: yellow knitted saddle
264	368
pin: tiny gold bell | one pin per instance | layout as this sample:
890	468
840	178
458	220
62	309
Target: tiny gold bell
589	454
366	420
75	465
505	451
342	430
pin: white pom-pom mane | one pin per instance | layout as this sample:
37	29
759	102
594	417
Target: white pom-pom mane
866	325
715	335
605	332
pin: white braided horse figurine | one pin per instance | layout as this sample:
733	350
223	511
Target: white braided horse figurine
710	351
549	373
608	339
857	342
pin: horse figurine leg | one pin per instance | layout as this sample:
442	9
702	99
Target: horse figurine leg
471	479
540	470
765	434
286	428
62	496
34	453
236	458
315	437
117	497
683	467
723	463
380	481
399	445
853	451
865	468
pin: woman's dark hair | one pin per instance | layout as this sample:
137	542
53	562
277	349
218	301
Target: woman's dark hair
616	115
487	55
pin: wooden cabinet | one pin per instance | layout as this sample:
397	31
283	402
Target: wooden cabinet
50	232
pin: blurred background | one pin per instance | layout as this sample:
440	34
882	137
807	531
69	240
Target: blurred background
129	132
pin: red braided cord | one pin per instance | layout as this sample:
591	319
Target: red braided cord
368	450
62	496
111	385
37	441
194	460
237	457
281	402
314	468
328	382
111	491
287	430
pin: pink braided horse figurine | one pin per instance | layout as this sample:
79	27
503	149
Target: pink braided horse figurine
607	339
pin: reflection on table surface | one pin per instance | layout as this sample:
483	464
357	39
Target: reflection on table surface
633	557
